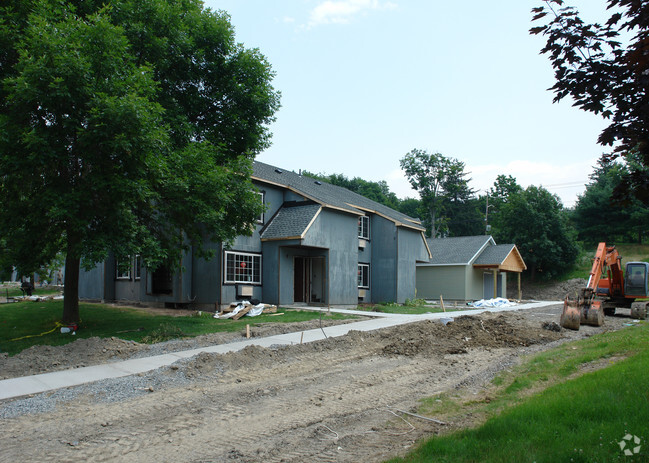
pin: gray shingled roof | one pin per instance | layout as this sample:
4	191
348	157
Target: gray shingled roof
329	195
290	222
494	255
461	250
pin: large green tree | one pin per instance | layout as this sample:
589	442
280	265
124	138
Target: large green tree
604	68
437	179
129	127
460	204
535	221
598	218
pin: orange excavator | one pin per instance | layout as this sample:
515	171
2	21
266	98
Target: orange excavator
608	288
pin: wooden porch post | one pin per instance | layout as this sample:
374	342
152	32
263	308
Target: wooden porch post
495	283
520	293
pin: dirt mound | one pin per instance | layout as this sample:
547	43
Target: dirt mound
464	333
430	338
553	291
81	353
93	351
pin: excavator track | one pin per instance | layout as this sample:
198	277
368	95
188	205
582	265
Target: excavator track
639	310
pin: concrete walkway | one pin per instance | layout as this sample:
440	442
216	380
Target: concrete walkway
16	387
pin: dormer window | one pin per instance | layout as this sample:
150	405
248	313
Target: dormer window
364	227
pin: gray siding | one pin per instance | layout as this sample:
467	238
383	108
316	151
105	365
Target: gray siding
91	283
411	247
332	238
383	268
447	281
206	284
337	232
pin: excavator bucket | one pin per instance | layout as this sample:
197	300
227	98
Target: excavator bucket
592	314
571	315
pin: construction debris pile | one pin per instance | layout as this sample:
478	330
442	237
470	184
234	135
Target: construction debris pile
236	310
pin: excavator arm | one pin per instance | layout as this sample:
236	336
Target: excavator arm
586	309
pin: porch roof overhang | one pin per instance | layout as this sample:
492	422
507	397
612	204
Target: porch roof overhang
291	223
504	258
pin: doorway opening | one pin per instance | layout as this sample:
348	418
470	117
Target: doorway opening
309	280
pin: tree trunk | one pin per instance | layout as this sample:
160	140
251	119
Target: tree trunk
71	285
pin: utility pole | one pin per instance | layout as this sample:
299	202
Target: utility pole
486	217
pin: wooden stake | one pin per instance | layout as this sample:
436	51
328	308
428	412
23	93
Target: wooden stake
441	301
301	337
248	331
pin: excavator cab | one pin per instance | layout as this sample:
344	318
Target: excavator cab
635	279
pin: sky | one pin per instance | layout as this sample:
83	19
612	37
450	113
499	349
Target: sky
363	82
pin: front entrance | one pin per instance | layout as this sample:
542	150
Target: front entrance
488	286
308	279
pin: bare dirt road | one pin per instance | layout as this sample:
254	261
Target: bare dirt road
333	400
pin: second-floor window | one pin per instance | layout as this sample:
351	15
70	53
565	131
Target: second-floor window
260	219
364	227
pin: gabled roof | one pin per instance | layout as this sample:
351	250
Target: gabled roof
290	222
504	257
461	250
494	255
330	196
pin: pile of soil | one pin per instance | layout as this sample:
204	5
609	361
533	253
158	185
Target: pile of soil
429	338
94	351
80	353
553	291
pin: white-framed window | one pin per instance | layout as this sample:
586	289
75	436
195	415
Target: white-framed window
138	266
364	227
242	267
123	268
261	194
364	276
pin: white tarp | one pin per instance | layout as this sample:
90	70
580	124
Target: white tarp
497	302
253	312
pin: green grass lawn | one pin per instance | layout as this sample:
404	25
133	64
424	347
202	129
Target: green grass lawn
14	291
414	307
23	324
550	410
629	253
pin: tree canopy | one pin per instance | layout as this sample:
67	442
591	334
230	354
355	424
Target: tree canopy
598	218
441	183
127	127
535	221
376	191
606	74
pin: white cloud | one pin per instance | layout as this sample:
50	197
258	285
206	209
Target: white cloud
343	11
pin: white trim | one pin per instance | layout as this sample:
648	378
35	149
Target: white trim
263	198
362	228
119	276
360	264
137	268
252	255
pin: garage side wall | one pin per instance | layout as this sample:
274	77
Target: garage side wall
447	281
411	248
